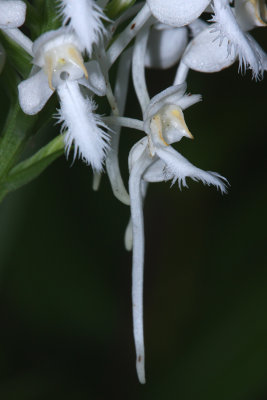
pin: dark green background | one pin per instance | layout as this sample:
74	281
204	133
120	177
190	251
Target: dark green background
66	329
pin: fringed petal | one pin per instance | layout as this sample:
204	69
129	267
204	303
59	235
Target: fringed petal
84	128
228	29
181	168
85	19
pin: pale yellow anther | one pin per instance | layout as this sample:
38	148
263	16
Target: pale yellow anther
177	114
76	57
157	120
49	70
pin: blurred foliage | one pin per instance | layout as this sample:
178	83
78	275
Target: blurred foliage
65	292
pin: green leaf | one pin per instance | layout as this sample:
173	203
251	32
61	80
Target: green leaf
18	58
116	7
42	16
17	129
29	169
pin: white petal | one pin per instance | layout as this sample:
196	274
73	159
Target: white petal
229	29
205	53
12	14
96	81
165	47
136	152
34	92
157	172
262	56
189	100
171	95
138	259
177	12
85	18
181	168
84	127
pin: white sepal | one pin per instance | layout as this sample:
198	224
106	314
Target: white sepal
157	172
12	14
205	53
96	81
171	95
180	168
165	47
84	128
85	19
177	12
34	92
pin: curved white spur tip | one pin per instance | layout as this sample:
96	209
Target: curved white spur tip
205	53
177	12
161	51
96	81
140	368
34	92
12	14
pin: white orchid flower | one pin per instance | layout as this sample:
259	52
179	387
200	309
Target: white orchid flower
84	17
219	45
175	13
58	55
153	159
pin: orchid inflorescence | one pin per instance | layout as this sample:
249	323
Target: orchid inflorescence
74	61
